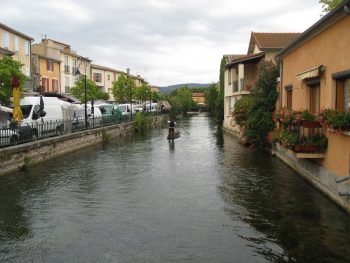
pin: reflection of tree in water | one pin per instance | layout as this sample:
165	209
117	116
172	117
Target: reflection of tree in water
14	223
275	201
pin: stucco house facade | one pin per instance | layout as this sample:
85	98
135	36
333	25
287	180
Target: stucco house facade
315	75
17	45
241	70
104	78
70	62
46	66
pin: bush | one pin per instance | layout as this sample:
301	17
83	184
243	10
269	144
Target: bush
141	120
260	118
241	110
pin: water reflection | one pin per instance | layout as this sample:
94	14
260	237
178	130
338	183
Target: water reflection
14	221
264	193
203	198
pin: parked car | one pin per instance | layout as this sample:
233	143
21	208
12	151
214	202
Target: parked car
110	113
94	117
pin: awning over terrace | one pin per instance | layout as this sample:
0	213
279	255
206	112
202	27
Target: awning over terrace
311	73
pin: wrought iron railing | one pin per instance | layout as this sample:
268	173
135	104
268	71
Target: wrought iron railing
16	134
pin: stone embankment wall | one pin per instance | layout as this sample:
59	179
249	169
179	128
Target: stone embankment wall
24	155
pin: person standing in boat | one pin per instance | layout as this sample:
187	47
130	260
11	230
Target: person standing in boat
172	124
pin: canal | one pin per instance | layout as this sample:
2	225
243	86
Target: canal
204	198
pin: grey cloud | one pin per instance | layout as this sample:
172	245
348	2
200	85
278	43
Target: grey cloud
164	38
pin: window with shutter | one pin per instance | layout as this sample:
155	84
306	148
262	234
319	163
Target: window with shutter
314	99
343	95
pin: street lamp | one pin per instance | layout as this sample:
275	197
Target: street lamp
77	63
130	91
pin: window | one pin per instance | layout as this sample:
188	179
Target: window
45	84
108	77
55	85
5	39
27	48
97	77
289	92
229	76
343	94
66	60
314	99
49	65
16	44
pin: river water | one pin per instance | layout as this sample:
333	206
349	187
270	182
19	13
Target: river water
204	198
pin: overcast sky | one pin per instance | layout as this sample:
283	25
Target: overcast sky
165	41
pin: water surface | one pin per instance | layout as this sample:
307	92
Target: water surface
204	198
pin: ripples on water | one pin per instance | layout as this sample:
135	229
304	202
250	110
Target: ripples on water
204	198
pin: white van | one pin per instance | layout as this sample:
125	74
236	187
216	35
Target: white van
154	107
94	118
50	120
125	109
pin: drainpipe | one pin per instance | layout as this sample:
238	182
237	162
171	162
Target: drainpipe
281	82
347	8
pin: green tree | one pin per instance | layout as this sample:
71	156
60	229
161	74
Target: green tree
259	122
102	95
78	91
142	93
211	96
219	112
329	5
9	68
155	96
123	89
181	100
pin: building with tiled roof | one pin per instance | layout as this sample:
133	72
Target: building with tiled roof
270	41
71	62
241	70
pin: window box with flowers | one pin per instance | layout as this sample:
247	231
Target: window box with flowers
334	120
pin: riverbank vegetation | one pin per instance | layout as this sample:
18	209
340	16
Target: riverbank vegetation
254	114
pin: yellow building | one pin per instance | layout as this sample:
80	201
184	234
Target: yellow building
241	70
316	75
104	78
70	63
17	45
198	97
46	65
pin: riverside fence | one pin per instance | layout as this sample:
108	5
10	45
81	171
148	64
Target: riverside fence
15	134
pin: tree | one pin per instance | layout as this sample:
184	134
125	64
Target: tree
259	122
123	89
142	93
9	68
78	91
101	95
181	100
211	96
219	113
329	5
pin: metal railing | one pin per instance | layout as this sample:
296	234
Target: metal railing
14	134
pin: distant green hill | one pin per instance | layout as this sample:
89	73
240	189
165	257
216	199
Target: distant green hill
170	88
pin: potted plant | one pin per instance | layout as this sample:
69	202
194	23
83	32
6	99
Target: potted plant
309	120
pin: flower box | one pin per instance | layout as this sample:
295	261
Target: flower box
311	124
306	148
